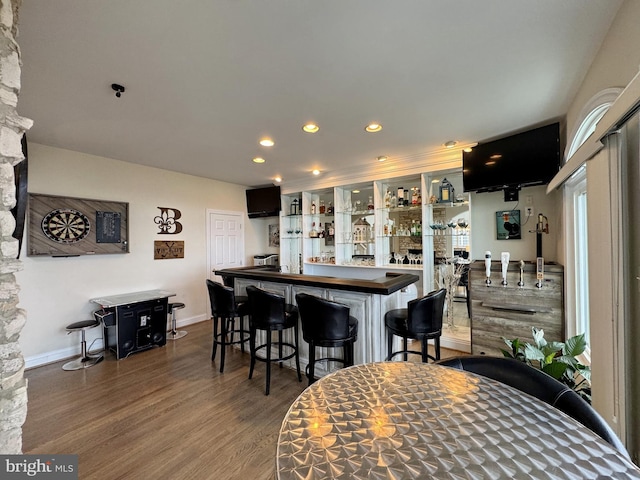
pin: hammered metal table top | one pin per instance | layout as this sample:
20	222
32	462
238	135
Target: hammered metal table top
403	420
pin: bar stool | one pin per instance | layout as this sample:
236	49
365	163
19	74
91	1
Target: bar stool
85	360
171	310
421	320
225	308
326	324
270	312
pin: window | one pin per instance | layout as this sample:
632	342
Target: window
576	235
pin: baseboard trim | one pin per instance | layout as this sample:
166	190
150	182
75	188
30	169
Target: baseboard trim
54	356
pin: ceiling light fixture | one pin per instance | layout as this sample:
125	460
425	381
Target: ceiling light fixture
258	160
373	128
450	144
277	179
119	89
356	191
316	172
267	142
382	158
467	150
310	128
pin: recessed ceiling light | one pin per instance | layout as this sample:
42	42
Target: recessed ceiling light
316	172
258	160
382	158
495	157
356	191
467	150
310	128
373	127
450	144
278	179
267	142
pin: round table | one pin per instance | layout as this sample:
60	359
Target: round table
403	420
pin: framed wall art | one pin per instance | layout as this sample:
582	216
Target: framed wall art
67	226
508	225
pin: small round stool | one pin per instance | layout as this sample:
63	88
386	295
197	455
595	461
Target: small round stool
85	360
175	334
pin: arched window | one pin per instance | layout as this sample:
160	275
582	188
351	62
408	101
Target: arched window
575	213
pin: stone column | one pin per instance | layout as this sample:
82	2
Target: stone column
13	386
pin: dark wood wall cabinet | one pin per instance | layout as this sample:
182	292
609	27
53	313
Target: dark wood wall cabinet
511	310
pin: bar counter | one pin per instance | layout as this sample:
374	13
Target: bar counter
383	286
368	301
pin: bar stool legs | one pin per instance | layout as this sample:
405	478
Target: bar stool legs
175	334
85	360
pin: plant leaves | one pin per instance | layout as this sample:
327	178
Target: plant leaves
538	337
575	345
555	369
532	353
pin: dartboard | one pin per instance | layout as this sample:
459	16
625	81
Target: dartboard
65	225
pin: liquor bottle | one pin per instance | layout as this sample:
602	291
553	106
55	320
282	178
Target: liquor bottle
387	199
332	229
322	207
313	233
406	197
320	231
330	209
393	258
394	200
370	203
313	208
400	196
414	195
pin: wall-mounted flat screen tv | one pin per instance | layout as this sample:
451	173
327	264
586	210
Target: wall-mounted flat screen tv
263	202
521	160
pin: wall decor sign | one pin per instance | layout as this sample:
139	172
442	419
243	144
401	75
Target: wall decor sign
167	221
163	249
508	225
68	226
274	235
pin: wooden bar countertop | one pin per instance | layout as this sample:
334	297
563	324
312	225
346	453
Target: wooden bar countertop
386	285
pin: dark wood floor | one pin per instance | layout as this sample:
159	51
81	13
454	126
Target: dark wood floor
166	413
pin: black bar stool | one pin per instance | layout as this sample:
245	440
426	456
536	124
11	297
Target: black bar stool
421	320
171	310
270	312
326	324
85	360
225	308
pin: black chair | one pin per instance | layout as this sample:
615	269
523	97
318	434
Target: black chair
225	308
326	324
270	312
421	320
538	384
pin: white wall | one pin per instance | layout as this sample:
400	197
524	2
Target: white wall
56	291
483	224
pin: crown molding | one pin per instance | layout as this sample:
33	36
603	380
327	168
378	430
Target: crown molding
442	160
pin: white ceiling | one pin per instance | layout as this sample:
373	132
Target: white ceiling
205	80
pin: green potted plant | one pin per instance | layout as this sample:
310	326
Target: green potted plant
558	359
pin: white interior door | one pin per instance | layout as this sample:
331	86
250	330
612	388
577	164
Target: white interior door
225	241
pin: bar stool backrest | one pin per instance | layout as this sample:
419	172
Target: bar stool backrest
322	320
267	308
222	299
538	384
424	315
